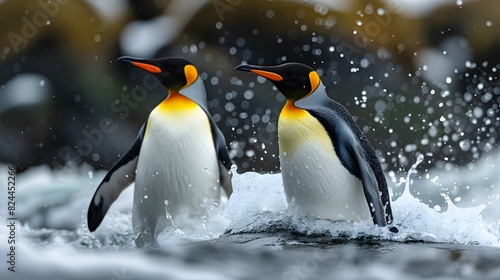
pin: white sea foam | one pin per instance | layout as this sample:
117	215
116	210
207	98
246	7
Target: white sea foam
60	199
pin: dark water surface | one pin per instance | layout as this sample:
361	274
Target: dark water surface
266	256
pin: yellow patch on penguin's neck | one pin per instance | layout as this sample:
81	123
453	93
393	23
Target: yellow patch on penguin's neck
177	102
291	111
296	128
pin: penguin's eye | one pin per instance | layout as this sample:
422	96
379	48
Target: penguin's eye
293	76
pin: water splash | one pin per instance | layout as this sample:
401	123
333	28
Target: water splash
414	219
258	204
456	225
413	170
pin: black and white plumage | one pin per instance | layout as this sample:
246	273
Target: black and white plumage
179	161
329	168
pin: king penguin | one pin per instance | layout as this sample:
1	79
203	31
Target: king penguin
179	161
329	169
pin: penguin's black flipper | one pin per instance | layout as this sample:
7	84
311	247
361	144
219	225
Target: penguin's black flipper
118	178
356	155
370	186
223	156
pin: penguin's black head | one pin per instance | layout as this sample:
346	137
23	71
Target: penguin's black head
294	80
172	72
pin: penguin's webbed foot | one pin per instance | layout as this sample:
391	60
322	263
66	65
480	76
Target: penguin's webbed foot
393	229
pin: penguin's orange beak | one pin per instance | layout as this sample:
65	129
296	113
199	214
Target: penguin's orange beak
266	74
145	66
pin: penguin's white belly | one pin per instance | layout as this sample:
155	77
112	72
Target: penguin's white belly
177	171
315	181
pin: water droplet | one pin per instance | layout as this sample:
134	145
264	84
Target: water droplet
478	112
214	80
364	63
248	94
166	202
465	145
437	208
91	174
146	196
229	107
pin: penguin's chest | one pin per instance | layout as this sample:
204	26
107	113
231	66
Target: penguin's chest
315	181
178	166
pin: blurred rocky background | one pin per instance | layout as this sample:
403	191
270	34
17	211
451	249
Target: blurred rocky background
420	77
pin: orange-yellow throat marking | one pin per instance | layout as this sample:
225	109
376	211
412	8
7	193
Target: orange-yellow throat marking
176	103
290	111
175	111
296	128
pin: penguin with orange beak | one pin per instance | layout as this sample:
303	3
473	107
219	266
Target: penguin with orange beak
329	168
179	161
